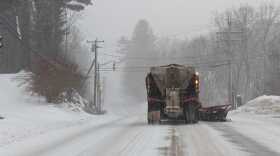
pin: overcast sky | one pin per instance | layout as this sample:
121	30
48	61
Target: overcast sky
110	19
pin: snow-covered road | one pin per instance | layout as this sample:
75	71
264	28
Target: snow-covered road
32	127
123	136
131	136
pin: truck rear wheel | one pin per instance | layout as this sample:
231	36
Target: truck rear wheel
191	114
154	117
187	114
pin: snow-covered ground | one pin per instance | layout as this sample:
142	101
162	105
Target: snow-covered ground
31	127
259	120
27	116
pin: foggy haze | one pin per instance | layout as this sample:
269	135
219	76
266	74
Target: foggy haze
139	77
108	20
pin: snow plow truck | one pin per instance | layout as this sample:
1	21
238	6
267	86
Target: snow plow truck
173	94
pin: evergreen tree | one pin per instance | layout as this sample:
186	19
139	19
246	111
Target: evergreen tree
141	53
50	23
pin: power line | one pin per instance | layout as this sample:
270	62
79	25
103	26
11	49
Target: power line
159	57
106	54
144	68
206	64
212	63
202	65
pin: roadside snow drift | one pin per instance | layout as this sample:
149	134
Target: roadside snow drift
25	116
263	105
259	120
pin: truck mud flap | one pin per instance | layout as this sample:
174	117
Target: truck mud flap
191	114
154	117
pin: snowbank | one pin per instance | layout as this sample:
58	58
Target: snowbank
262	105
262	128
259	120
26	116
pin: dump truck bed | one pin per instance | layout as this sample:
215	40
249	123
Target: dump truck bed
173	91
165	78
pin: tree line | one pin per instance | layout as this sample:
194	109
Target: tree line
245	37
42	29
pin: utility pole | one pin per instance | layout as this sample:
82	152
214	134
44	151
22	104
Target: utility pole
103	90
230	90
66	33
98	91
228	37
94	49
1	41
